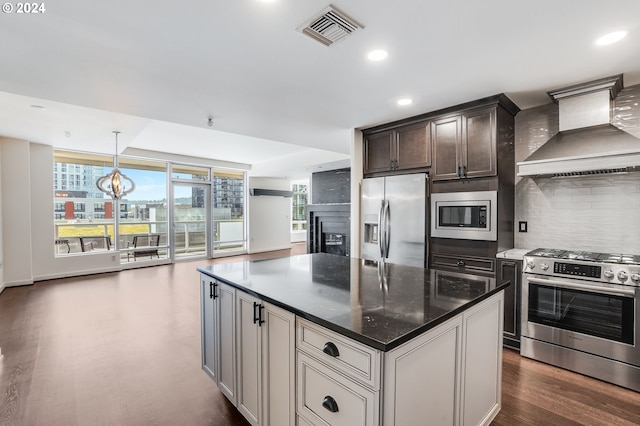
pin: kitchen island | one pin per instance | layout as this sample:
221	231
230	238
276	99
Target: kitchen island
327	339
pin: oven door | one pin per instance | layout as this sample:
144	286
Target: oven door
597	318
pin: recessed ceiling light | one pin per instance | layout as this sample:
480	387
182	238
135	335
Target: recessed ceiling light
405	101
611	38
377	55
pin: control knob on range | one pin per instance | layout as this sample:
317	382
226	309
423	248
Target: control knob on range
544	266
635	277
608	274
622	276
531	264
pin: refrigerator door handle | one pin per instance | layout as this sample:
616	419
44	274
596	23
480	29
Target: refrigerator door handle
380	233
387	232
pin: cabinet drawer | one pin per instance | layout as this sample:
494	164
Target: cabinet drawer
465	263
327	397
352	358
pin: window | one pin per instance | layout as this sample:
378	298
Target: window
74	214
180	171
299	206
228	210
144	211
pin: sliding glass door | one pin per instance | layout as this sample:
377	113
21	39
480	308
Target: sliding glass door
190	226
228	229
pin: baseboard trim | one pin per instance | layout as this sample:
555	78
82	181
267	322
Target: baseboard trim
287	247
18	283
77	274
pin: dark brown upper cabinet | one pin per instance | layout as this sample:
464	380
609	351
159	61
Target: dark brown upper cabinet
404	148
464	145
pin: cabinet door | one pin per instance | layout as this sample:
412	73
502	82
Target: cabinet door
421	378
479	142
511	270
209	337
446	138
249	366
226	325
378	151
482	362
413	148
278	359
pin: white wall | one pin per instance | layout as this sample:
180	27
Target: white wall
16	202
269	220
27	231
577	213
1	256
45	264
27	219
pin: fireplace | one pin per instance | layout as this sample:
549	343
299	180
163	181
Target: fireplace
328	228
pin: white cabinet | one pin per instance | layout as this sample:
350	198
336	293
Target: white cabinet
421	378
209	327
218	336
482	362
338	378
265	362
450	375
327	397
226	295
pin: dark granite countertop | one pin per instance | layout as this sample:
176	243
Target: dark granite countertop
380	305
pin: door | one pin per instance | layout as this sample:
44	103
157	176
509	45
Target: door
190	225
596	318
371	207
479	147
209	327
249	357
406	217
413	146
279	360
446	137
226	327
378	152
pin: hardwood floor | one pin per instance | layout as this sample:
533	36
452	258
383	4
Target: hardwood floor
124	349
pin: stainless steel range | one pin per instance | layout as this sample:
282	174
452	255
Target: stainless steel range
580	312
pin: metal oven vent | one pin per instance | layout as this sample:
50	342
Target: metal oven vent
329	26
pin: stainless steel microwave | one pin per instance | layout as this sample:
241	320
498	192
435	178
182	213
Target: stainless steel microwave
465	215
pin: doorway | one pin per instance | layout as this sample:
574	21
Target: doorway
190	226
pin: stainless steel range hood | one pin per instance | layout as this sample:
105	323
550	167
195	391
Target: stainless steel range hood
587	142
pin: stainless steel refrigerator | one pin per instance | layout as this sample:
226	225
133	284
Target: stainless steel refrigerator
394	219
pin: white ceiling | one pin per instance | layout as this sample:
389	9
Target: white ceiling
282	102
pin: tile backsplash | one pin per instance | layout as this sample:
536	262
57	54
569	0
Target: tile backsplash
599	213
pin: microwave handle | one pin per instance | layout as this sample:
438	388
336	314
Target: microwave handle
587	287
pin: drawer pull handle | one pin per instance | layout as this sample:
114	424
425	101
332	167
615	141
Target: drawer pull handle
331	350
330	404
461	263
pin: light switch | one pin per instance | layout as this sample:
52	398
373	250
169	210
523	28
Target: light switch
522	226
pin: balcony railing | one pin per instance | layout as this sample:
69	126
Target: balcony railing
189	235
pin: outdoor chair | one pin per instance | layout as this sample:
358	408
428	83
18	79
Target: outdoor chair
148	242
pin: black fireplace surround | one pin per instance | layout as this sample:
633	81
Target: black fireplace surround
328	228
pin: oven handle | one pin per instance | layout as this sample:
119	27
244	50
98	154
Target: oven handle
587	287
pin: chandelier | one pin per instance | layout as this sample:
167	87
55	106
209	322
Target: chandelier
113	184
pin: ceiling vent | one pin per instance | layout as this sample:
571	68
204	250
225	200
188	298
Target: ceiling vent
329	26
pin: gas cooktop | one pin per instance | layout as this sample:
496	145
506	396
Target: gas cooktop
588	256
613	268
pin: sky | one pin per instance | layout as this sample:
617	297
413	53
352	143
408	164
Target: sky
149	185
